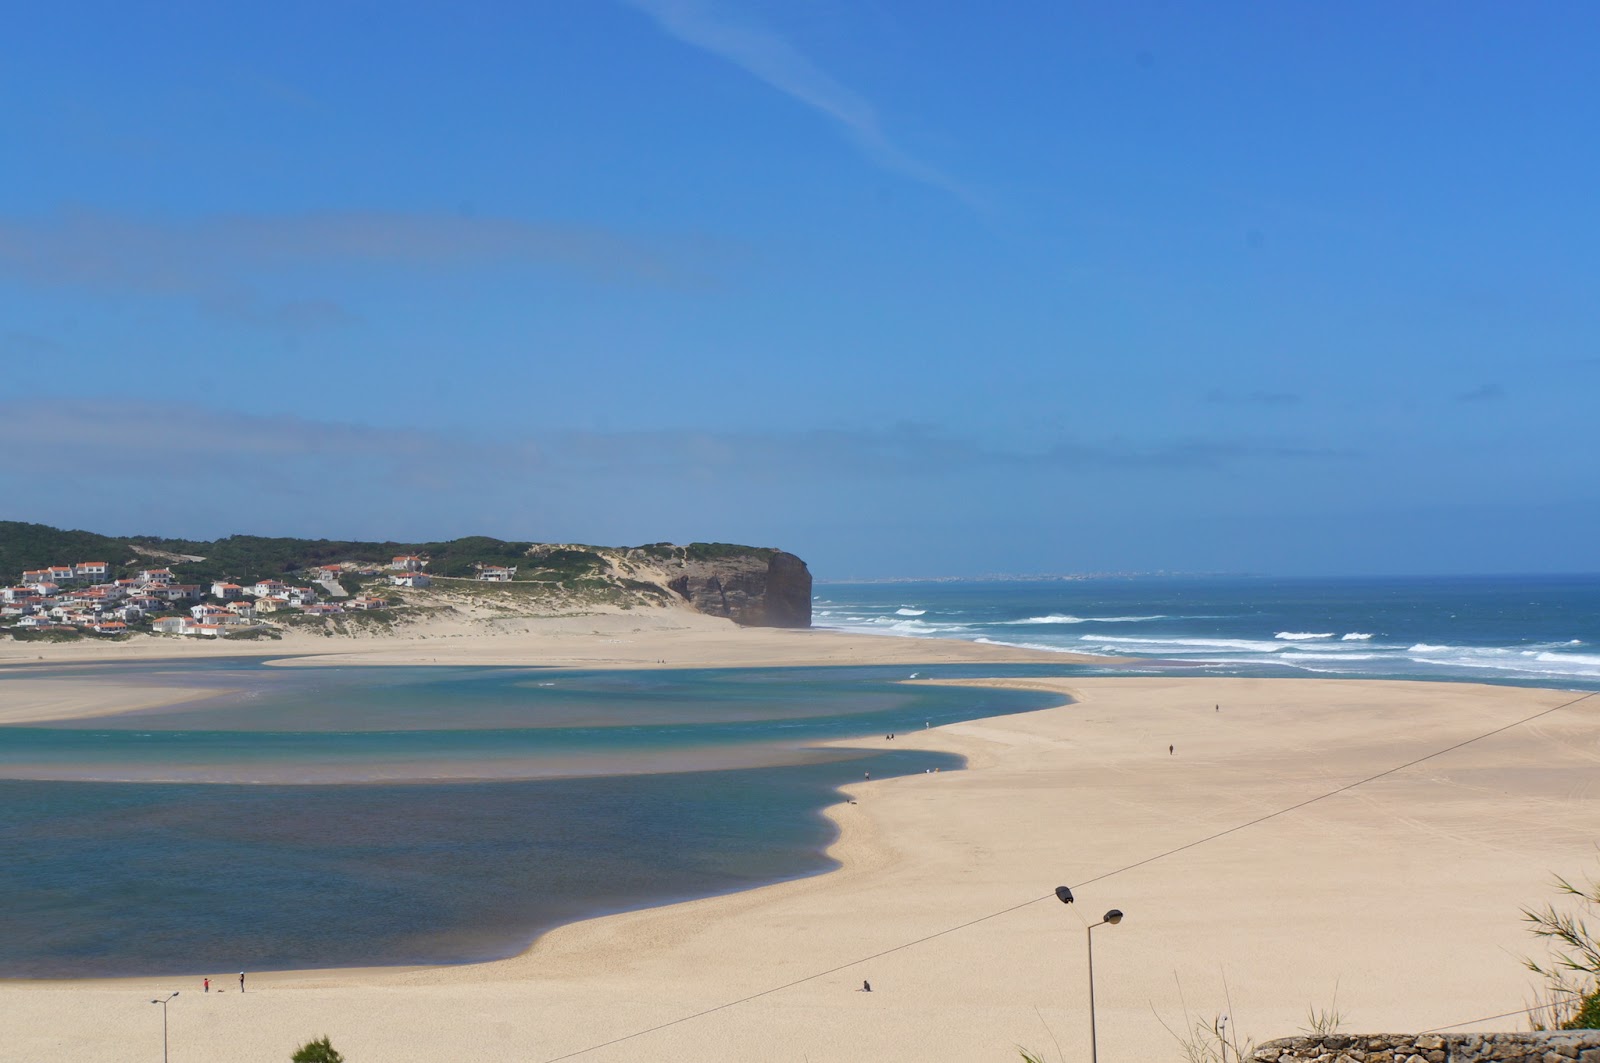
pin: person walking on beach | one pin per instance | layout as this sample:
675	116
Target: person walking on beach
207	981
1170	750
241	981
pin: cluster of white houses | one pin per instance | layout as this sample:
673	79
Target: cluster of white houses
81	597
44	602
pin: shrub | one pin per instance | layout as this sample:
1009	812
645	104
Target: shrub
318	1051
1572	974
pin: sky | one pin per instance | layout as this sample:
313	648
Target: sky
908	289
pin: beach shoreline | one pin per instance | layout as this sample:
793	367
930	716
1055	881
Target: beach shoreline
669	636
1336	893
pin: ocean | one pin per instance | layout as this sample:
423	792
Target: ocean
1524	630
326	816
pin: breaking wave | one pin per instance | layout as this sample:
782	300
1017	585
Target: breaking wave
1064	618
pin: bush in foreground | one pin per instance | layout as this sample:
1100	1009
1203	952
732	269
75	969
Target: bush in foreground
318	1051
1572	974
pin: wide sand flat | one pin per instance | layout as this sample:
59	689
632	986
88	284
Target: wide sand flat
1403	892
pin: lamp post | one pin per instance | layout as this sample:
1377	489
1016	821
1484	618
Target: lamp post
1114	916
164	1002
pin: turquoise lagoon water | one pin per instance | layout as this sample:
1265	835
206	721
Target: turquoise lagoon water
313	817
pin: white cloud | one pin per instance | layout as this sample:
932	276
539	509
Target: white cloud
769	57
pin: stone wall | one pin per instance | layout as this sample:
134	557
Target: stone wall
1574	1046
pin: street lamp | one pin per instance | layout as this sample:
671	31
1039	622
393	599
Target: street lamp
164	1004
1114	916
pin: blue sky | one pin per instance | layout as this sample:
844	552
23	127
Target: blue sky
904	288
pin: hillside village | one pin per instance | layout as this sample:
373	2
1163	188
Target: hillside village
247	586
81	598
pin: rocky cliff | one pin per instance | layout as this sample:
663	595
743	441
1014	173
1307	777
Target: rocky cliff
751	586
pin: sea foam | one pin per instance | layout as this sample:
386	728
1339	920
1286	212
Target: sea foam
1067	618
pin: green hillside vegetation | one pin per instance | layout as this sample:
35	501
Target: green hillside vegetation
244	559
704	551
25	546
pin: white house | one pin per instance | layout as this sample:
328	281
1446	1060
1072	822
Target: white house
269	588
156	575
92	569
496	574
61	573
226	591
411	579
407	563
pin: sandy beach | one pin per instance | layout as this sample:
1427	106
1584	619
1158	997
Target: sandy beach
1399	896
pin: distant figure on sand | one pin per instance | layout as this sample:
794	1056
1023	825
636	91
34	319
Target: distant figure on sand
241	981
866	986
207	982
1170	749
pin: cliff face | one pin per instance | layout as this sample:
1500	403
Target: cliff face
751	587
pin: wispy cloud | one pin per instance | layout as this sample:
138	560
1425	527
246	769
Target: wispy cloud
767	56
221	260
103	464
1254	398
1483	393
93	434
27	344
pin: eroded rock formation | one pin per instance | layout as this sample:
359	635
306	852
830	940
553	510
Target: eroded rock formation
751	586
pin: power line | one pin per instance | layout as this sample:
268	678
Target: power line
1098	878
1502	1015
